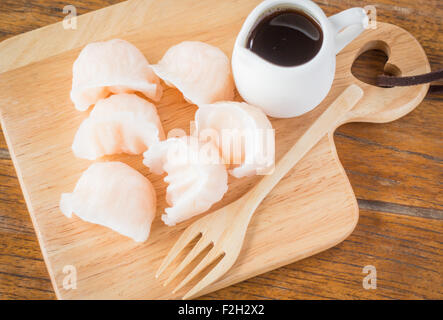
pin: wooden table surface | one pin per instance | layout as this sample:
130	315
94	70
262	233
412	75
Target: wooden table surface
396	170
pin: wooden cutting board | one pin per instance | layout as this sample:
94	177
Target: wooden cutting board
312	209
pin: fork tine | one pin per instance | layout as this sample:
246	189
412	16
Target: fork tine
198	248
207	260
221	267
187	236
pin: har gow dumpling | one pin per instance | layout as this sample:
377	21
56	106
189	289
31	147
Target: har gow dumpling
114	66
122	123
200	71
196	178
243	134
114	195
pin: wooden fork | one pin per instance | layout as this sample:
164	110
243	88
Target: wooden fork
225	228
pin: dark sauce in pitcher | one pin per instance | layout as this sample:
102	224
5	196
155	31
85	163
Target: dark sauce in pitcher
286	37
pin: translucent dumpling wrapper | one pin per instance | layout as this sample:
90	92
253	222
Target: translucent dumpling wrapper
243	134
114	66
196	176
122	123
200	71
113	195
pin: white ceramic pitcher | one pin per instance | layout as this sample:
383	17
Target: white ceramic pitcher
285	92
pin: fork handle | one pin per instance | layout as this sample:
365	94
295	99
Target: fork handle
328	121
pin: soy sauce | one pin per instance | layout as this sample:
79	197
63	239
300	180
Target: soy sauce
286	38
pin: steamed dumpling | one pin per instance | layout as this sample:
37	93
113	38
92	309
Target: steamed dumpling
200	71
196	178
114	66
122	123
113	195
243	134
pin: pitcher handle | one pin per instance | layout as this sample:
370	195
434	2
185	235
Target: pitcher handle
347	25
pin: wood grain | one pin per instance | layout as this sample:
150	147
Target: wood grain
422	20
406	251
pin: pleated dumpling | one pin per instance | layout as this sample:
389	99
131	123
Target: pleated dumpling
196	178
243	134
113	195
122	123
200	71
114	66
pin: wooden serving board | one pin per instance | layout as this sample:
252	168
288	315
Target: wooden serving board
312	209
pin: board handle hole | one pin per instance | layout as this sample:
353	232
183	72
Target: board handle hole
371	62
